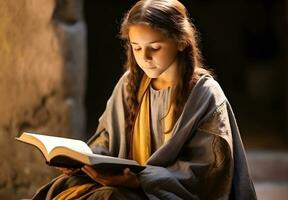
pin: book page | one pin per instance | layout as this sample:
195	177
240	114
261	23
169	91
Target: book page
50	142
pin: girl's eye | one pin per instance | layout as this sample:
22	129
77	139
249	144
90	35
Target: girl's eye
155	48
150	48
136	49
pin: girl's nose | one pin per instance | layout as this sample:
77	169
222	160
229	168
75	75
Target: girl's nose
147	55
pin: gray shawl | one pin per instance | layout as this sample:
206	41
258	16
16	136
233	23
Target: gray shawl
204	159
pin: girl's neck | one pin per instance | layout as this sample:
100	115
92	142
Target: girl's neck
159	84
167	79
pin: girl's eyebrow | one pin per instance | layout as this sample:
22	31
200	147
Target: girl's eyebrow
156	41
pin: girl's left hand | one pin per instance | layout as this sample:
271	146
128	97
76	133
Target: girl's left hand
127	179
68	171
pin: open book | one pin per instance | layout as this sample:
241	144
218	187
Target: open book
71	153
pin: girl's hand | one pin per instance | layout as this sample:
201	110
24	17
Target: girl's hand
68	171
127	179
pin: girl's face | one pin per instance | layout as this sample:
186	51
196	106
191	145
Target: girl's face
154	52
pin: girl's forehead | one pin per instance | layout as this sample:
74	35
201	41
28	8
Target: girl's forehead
145	34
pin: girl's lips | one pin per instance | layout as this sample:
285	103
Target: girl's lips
150	67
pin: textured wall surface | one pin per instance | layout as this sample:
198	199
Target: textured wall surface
42	80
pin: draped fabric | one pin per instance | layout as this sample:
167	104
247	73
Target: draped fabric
142	130
141	142
74	192
203	159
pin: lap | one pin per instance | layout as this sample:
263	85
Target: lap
114	193
61	183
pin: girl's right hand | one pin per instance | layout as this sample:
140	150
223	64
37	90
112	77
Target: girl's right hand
127	179
68	171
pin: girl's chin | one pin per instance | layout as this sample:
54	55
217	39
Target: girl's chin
152	75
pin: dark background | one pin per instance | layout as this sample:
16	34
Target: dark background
245	42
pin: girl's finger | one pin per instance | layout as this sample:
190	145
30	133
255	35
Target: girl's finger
95	178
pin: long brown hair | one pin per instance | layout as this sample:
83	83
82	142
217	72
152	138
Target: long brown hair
171	18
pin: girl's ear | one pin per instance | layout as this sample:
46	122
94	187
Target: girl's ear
181	46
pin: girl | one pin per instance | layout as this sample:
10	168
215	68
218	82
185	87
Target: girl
168	113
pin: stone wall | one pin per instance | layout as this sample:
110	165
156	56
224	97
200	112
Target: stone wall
42	82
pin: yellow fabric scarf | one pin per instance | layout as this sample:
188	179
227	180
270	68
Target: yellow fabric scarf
74	192
141	141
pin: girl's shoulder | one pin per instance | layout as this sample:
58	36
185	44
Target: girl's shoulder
208	87
206	81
